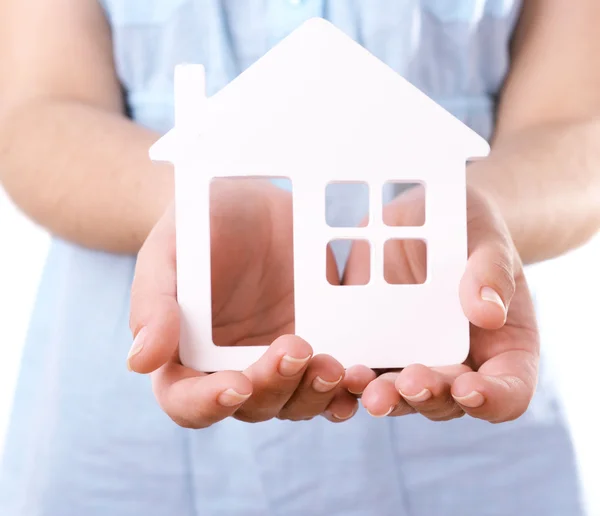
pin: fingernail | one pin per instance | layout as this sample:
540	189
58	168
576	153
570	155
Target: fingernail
424	395
472	400
355	393
381	415
489	294
321	385
231	398
347	416
137	346
290	366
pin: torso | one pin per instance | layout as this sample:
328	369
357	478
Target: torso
456	52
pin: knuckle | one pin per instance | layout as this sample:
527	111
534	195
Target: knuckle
286	415
134	312
187	423
294	417
402	409
443	410
255	415
305	406
515	414
447	417
455	413
298	413
503	276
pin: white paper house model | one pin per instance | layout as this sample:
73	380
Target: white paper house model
319	108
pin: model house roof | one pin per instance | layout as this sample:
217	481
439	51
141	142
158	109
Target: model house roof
316	97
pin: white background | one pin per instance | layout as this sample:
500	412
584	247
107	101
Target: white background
567	291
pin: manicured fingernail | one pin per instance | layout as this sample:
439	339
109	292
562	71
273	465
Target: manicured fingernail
231	398
489	294
137	346
290	366
381	415
321	385
424	395
472	400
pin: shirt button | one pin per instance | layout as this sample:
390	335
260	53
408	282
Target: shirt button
296	3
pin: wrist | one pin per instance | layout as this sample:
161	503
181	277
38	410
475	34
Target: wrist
154	198
488	178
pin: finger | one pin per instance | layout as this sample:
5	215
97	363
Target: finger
331	269
154	319
488	285
502	388
381	398
342	407
195	400
428	390
275	377
318	387
357	378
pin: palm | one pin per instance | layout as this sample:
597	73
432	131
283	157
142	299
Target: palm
253	262
252	271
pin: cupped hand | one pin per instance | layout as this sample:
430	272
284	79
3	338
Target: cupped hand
252	302
498	380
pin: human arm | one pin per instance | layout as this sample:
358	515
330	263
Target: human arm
69	157
544	168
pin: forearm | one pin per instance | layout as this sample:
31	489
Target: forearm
83	173
546	181
544	168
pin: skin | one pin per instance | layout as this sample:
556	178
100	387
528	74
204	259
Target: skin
69	158
253	303
88	180
543	170
498	379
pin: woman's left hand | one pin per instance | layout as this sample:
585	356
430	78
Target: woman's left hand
497	381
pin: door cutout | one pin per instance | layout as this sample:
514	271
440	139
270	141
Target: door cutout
246	290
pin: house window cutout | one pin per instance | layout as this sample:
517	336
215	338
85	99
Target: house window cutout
347	204
405	261
236	245
413	214
361	270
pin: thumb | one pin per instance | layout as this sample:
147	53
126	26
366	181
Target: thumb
488	285
154	316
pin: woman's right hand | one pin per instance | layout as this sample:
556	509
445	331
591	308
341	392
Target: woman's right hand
252	301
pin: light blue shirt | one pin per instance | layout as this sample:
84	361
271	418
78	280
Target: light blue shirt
87	438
